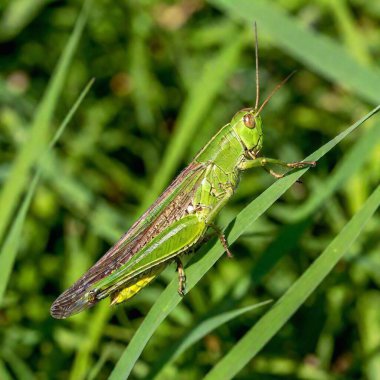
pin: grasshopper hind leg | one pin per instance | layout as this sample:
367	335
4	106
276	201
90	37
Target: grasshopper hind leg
181	277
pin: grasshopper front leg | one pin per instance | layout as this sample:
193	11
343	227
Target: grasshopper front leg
264	161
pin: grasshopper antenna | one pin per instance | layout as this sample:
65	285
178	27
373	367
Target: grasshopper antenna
275	90
257	67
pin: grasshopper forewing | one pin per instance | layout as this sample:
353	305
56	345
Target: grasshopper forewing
179	218
125	265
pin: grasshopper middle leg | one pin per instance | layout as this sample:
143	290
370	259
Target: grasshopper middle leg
222	239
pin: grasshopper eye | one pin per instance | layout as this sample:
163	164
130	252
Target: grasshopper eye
249	121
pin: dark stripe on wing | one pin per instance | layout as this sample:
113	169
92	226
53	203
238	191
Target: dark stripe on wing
170	206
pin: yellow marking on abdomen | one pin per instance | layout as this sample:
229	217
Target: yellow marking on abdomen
144	279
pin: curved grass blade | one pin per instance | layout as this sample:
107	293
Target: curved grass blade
13	240
38	135
287	305
169	298
350	164
320	53
197	333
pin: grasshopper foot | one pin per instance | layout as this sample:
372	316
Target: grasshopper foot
292	165
302	164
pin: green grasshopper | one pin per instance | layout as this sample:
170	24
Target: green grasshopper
177	221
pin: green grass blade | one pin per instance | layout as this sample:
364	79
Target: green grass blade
18	366
169	297
38	135
353	161
369	331
318	52
16	15
13	240
346	22
95	327
4	374
195	109
196	334
288	304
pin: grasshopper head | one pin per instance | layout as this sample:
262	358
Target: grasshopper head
247	124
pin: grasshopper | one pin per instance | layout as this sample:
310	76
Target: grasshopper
177	221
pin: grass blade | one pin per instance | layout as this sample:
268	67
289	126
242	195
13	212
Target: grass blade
38	135
196	334
369	331
13	240
82	361
4	374
353	161
288	304
321	54
169	297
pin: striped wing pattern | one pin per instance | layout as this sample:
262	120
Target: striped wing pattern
170	206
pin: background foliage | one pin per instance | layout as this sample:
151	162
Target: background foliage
168	75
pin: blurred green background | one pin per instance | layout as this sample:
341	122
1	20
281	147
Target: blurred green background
168	75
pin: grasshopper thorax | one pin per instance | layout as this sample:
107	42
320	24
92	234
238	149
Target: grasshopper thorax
247	125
